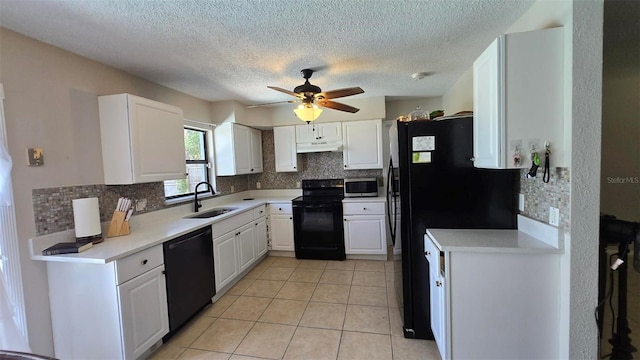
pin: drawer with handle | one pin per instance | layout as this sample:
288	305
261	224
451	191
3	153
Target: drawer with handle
280	208
259	212
363	208
137	264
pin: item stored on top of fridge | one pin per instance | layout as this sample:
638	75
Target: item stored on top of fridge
418	114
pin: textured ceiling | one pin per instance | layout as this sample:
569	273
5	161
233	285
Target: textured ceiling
231	50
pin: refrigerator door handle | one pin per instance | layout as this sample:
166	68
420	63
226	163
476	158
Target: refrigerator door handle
390	198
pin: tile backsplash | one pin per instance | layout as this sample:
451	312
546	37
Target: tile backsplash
539	196
53	212
322	165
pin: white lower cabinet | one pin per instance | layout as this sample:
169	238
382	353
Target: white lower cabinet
243	242
246	246
225	259
282	232
261	236
514	294
281	226
143	305
116	310
365	229
438	311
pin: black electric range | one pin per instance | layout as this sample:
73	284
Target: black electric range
317	220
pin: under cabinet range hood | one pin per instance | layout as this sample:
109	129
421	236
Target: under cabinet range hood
320	146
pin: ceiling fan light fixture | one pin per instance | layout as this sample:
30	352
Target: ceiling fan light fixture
307	112
419	75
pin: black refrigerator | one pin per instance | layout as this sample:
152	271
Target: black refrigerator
440	188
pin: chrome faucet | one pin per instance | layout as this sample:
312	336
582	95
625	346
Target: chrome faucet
197	205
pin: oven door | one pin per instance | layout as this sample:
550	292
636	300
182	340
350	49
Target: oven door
318	231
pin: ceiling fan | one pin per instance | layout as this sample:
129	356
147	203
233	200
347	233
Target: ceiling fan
311	96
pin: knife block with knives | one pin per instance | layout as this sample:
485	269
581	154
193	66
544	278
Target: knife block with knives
120	220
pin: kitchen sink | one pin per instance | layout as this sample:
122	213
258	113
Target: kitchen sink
211	213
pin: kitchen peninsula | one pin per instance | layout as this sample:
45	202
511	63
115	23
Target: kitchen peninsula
474	275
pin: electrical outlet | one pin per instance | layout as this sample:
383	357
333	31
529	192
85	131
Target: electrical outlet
297	184
258	185
554	216
233	188
521	202
141	204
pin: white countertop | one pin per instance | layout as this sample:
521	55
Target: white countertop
148	231
488	241
536	238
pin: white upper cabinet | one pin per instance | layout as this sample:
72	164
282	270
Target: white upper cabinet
362	144
320	132
238	149
142	140
256	150
284	141
518	100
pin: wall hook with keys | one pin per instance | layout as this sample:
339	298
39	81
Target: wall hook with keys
546	175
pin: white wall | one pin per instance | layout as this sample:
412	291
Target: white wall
51	103
585	175
460	96
397	108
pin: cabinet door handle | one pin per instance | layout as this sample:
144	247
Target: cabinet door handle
145	261
290	218
364	208
345	166
438	283
294	167
279	209
428	253
251	169
473	159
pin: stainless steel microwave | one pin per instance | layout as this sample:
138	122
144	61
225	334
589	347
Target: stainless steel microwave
363	187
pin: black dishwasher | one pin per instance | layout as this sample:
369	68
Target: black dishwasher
188	262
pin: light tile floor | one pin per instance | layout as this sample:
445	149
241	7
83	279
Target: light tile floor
302	309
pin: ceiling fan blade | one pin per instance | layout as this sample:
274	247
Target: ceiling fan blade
334	94
271	103
337	106
284	91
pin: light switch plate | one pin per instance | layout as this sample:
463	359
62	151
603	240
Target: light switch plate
258	185
35	157
521	202
554	216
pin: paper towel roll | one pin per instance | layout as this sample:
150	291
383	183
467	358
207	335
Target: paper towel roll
86	216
